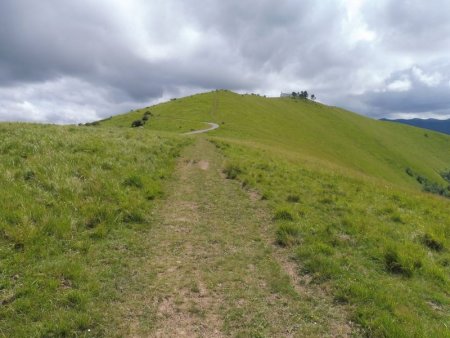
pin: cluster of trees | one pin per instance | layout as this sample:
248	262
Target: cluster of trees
303	95
142	121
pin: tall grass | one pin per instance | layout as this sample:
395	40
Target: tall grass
71	197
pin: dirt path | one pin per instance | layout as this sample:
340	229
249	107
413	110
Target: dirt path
212	127
210	270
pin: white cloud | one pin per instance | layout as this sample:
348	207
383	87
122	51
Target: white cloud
399	85
80	60
65	100
429	79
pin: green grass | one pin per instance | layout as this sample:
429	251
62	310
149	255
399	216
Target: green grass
383	250
327	137
73	202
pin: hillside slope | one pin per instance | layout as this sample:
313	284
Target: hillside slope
309	132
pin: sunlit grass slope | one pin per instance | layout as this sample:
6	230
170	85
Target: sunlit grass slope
72	203
383	253
319	134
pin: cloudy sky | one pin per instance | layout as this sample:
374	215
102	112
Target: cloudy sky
67	61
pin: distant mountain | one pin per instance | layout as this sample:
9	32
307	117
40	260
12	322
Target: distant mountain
442	126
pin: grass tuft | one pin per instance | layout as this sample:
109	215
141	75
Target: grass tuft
283	214
400	263
432	242
288	234
133	181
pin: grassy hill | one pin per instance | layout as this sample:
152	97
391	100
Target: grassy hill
344	206
307	131
79	214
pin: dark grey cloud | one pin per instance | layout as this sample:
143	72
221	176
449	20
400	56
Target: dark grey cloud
67	61
411	26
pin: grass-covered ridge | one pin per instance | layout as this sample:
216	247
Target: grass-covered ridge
326	136
72	204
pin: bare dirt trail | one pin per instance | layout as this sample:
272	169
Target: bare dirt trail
210	270
212	127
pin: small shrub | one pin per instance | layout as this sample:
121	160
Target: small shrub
133	181
137	123
288	234
90	124
283	215
433	187
446	175
232	171
145	118
421	179
432	242
409	172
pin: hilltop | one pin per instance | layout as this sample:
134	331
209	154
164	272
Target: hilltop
292	218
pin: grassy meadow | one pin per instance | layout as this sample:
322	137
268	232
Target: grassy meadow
73	202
